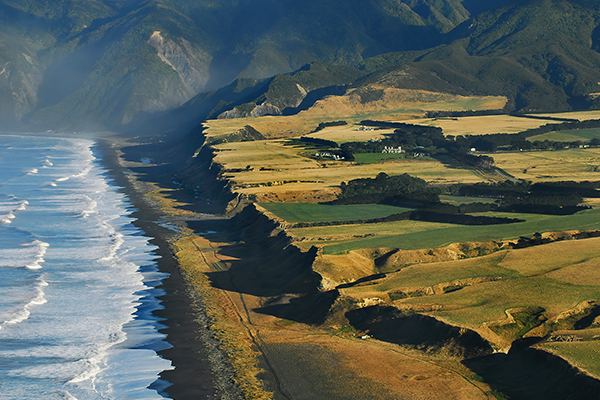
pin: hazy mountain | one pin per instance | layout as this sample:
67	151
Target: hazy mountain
104	64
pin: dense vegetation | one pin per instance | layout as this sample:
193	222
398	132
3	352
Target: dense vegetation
109	73
557	198
407	191
554	198
431	141
387	190
312	143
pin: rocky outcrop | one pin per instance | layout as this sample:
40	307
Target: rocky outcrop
259	111
265	109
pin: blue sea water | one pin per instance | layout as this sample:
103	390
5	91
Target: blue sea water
77	279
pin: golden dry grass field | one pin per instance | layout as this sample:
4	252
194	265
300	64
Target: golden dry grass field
396	104
483	125
350	133
430	275
403	100
579	115
561	165
276	168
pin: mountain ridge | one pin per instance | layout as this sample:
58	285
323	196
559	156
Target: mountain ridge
102	64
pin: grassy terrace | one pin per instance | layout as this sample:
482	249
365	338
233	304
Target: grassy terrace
276	168
411	235
306	212
568	136
483	125
479	293
578	115
563	165
376	158
395	105
585	355
483	289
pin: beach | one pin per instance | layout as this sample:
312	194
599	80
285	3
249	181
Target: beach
201	370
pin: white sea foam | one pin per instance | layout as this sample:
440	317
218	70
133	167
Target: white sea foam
22	206
24	313
72	297
32	171
83	173
116	243
91	366
10	207
39	257
7	219
91	207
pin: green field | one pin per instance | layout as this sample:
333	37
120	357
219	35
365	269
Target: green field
568	136
458	200
444	234
556	277
306	212
373	158
585	355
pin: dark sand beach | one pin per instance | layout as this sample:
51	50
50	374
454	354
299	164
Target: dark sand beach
201	370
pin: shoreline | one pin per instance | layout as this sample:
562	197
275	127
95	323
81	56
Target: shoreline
200	369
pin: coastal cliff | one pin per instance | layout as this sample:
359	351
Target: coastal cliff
276	296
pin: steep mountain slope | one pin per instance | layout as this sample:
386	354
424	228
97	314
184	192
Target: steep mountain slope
22	36
108	63
96	64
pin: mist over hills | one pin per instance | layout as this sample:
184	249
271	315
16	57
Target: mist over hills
101	64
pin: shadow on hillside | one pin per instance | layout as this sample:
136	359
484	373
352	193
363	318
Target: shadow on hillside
530	374
425	333
262	263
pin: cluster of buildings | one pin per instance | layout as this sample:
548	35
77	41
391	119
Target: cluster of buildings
329	155
392	150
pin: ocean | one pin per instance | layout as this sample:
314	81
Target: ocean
78	283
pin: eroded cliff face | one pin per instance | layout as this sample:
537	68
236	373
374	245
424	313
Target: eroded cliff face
21	81
20	77
190	62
